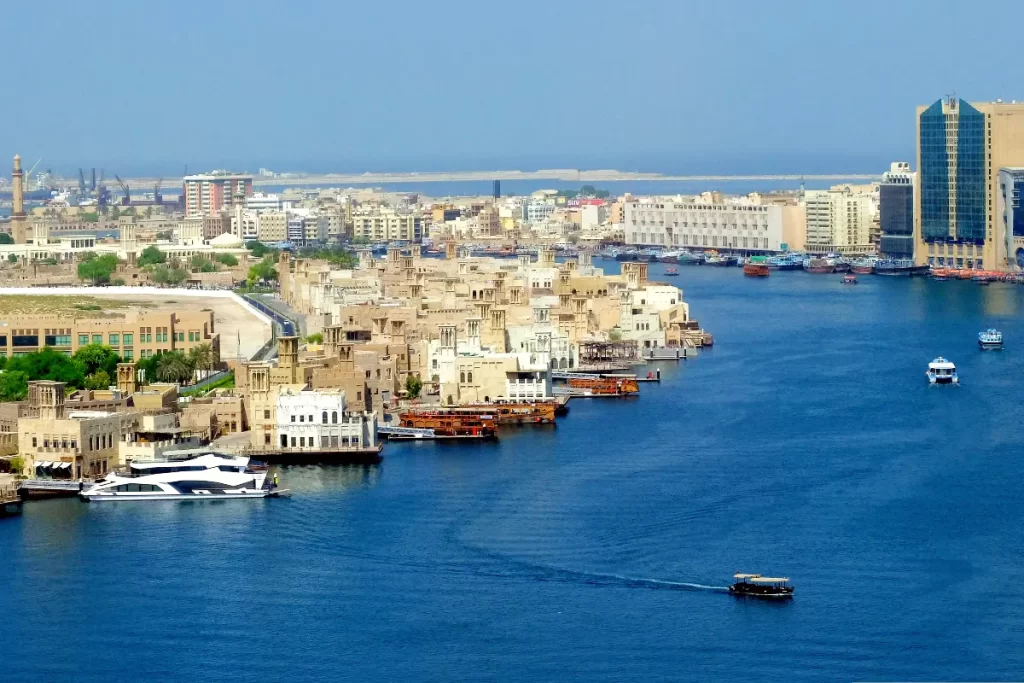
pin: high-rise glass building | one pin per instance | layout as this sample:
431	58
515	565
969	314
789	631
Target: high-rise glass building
1011	213
896	211
960	148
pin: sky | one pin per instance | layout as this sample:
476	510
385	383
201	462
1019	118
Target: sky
723	86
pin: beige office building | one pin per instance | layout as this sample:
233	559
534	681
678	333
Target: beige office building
960	148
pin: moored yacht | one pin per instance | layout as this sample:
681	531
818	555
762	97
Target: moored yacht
942	371
209	476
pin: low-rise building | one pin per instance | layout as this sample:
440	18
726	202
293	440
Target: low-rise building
707	222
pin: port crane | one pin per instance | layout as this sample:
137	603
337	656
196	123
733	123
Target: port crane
127	200
157	199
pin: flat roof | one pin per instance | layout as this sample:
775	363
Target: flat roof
768	579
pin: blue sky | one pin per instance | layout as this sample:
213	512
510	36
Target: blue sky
668	85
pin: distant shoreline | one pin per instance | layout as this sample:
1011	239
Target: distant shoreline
562	175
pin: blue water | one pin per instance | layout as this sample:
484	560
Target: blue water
807	443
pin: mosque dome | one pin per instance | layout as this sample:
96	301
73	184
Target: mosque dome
226	241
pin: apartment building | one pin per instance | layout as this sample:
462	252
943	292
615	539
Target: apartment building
387	225
840	220
272	226
207	194
703	223
133	336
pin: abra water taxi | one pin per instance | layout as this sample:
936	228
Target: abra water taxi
990	339
849	279
942	371
671	271
757	586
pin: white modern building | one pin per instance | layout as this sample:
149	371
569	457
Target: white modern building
316	420
696	223
537	212
840	219
263	202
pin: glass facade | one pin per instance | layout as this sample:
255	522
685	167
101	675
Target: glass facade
934	174
970	175
896	217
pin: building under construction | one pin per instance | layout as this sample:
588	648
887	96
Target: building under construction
609	354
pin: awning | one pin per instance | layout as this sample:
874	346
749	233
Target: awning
64	466
45	464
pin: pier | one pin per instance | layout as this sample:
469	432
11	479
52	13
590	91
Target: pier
355	455
10	501
50	488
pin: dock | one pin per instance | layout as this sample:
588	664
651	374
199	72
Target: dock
669	353
50	488
10	501
355	455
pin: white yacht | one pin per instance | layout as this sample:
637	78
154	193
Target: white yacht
198	475
942	371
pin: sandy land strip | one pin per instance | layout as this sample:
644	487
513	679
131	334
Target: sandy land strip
243	329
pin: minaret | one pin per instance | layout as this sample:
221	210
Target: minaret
18	226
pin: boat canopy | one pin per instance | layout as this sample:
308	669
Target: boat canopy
745	576
768	579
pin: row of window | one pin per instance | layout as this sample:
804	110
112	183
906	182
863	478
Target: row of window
325	441
302	418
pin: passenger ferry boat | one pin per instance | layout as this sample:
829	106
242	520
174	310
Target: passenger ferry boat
207	476
757	586
942	371
990	339
606	386
452	424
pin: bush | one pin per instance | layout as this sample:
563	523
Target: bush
315	338
226	259
413	385
151	256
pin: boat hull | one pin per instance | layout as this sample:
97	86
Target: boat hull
137	497
990	346
755	270
767	595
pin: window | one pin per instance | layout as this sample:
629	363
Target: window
293	442
266	415
128	355
293	417
115	339
83	340
97	339
325	417
334	417
128	339
469	377
311	419
25	340
302	418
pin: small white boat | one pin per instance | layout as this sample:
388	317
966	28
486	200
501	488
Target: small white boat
942	371
990	339
209	476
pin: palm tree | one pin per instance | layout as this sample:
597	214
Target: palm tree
201	358
173	366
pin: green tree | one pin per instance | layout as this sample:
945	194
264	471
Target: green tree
315	338
118	282
147	367
12	258
201	264
264	271
6	238
151	256
258	249
615	334
91	217
227	259
413	386
162	275
97	358
97	269
173	366
115	213
48	364
13	386
201	358
97	380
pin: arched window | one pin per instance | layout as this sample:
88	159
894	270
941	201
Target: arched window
334	417
469	377
324	417
462	377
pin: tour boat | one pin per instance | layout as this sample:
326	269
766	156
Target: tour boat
756	266
942	371
849	279
515	412
990	339
757	586
671	272
594	387
473	424
819	265
206	476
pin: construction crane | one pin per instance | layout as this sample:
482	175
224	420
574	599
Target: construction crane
127	199
81	183
28	176
157	199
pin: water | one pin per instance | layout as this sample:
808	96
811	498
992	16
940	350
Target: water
807	443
